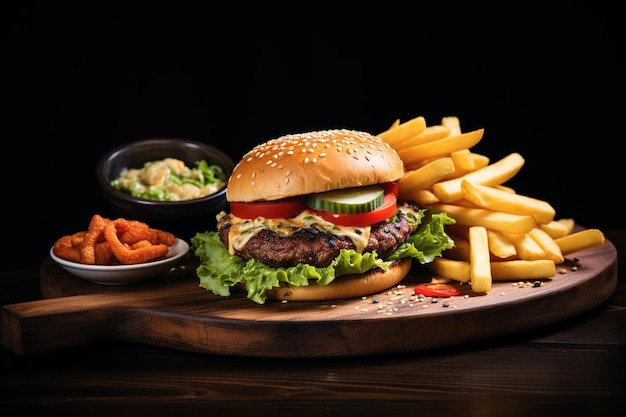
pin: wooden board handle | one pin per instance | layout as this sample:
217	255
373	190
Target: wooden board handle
40	326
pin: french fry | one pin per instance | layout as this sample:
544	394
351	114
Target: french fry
441	147
504	188
500	245
395	135
420	164
480	161
522	270
526	247
458	172
555	229
550	248
423	197
425	176
480	264
448	268
440	280
568	223
503	222
578	241
497	200
500	271
493	174
463	159
499	234
465	203
453	123
430	134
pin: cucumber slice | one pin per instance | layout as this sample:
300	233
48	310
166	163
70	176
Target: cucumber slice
349	200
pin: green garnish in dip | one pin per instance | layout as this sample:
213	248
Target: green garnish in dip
171	180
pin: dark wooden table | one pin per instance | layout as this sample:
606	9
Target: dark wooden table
576	367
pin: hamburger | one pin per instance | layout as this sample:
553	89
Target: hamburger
315	216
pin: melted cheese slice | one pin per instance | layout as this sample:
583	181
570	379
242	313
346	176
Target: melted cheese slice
242	230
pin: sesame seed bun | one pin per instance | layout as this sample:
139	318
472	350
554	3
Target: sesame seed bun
313	162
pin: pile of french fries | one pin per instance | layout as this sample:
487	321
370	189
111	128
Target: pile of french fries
499	235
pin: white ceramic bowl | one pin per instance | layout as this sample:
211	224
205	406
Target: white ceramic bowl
124	274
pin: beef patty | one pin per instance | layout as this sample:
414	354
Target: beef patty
315	246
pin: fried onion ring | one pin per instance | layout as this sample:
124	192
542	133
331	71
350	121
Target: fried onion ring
165	238
124	253
114	242
104	254
94	234
63	248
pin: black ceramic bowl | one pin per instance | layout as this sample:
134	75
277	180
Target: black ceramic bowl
183	218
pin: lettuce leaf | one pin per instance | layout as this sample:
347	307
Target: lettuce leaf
219	271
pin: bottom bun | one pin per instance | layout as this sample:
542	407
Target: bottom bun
347	286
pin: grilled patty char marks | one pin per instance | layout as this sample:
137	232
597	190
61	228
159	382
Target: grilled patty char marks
316	247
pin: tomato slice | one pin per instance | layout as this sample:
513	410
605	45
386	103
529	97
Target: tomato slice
279	209
290	207
392	187
384	211
436	290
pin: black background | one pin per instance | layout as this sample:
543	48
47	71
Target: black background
78	79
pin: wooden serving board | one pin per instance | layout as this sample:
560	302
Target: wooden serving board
172	311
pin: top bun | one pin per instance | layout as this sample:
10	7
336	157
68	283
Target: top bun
313	162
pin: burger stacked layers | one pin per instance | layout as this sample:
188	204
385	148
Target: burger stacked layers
315	216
